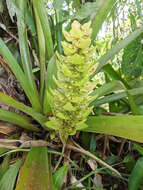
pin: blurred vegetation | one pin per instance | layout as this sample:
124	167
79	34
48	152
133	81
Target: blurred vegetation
94	144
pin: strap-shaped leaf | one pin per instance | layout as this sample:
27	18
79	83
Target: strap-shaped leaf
136	175
116	96
20	106
111	72
11	8
129	127
132	58
107	88
50	84
58	4
4	166
41	10
8	180
42	53
112	86
1	6
13	64
59	177
20	120
87	10
35	172
113	51
105	7
25	55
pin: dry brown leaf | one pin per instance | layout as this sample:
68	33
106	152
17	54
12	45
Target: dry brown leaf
73	180
98	181
7	128
92	163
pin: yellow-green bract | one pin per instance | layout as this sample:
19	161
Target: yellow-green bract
71	98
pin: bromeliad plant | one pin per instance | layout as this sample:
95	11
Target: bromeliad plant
72	95
64	106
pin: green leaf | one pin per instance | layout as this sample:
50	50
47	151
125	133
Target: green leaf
50	83
58	4
20	120
13	64
81	126
11	8
136	176
87	10
20	106
107	89
105	7
112	160
4	166
76	4
114	75
132	58
129	127
59	177
113	86
92	142
35	172
132	103
42	54
30	22
42	13
8	180
25	55
86	140
59	34
129	162
139	8
1	6
117	96
51	72
138	148
114	50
